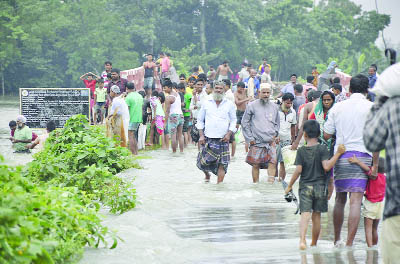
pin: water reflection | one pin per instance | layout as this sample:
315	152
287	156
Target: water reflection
228	224
341	257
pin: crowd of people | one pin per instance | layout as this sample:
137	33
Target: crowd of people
321	119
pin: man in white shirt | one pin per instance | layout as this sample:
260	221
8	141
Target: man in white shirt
244	72
107	69
346	120
266	76
287	131
199	97
216	122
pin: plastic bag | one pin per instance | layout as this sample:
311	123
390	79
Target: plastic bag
289	156
388	83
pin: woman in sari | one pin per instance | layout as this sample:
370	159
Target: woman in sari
320	114
117	121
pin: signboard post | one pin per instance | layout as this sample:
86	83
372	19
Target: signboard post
39	105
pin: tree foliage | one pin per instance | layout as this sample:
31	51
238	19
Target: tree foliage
46	43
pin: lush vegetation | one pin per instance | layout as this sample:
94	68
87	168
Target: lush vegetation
48	209
81	156
44	224
51	43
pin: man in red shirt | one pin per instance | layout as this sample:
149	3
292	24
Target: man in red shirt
90	82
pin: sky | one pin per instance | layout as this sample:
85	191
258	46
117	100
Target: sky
389	7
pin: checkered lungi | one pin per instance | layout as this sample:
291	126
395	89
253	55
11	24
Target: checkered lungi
261	156
213	154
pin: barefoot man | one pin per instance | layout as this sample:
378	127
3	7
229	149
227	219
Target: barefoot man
216	122
173	116
260	125
150	72
223	70
241	101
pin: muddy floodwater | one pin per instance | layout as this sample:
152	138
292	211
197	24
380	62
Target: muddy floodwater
181	219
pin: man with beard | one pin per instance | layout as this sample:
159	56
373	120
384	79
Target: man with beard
260	125
116	80
22	135
216	122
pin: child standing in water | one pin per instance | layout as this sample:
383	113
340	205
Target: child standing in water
372	209
157	117
315	188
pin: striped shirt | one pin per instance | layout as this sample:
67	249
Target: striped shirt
382	131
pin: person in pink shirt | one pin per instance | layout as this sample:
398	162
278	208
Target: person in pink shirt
165	65
373	203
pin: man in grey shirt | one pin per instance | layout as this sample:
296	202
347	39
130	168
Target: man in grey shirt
260	126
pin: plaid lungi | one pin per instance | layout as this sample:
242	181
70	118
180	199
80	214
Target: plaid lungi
261	156
213	154
350	177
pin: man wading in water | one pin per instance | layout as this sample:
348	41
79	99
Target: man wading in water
260	124
173	116
241	101
216	122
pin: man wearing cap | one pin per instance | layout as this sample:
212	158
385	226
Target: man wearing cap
22	135
118	117
260	125
216	122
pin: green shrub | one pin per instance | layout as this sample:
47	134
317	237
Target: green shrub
44	224
81	156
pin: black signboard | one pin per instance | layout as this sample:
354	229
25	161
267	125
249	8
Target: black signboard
39	105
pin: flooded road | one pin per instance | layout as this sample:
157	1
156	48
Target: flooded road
181	219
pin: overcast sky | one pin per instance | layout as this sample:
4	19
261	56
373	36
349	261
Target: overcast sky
389	7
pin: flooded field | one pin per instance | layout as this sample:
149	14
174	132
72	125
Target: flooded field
181	219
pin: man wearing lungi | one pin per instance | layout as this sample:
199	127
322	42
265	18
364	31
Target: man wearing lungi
216	122
260	126
347	120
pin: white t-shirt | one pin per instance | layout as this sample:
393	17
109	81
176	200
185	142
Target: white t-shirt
244	74
286	124
347	120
